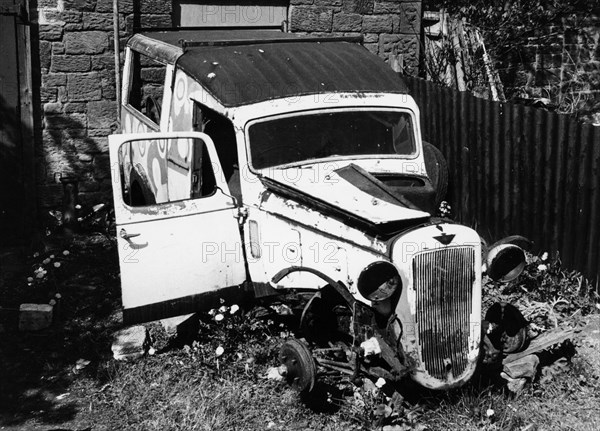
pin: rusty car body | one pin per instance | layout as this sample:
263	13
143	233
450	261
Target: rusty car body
268	162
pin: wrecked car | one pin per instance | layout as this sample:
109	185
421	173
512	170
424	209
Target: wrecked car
266	163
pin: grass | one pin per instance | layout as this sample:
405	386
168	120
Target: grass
193	388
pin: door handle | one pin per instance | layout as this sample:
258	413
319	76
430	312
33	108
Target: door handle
127	236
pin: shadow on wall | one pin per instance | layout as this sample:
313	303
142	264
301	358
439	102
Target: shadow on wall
12	187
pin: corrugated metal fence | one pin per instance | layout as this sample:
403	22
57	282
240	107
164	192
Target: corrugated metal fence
518	170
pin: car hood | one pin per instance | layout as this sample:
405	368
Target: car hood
349	193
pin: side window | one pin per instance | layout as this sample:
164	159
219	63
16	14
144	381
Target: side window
146	86
222	132
165	170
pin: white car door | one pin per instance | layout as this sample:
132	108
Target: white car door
177	228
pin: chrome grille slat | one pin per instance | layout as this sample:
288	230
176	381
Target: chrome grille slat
443	282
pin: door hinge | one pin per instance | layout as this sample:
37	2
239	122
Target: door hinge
242	215
12	10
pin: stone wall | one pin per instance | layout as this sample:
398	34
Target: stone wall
389	27
77	96
560	64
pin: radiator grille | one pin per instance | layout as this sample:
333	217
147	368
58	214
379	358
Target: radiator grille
443	282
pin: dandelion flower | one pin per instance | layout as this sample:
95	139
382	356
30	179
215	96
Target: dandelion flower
57	264
51	256
30	279
46	261
544	256
234	309
542	267
58	296
219	351
40	275
36	254
380	383
490	412
66	253
219	317
212	312
223	309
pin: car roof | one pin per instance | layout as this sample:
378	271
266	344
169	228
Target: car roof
242	67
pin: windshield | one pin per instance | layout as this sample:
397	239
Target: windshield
301	138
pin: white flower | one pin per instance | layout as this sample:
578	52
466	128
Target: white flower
380	383
58	296
46	261
234	309
57	264
151	351
77	207
211	75
542	267
66	253
489	413
219	317
223	309
36	254
219	351
40	275
30	279
52	302
51	256
212	312
544	256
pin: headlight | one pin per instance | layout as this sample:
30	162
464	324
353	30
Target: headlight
505	262
379	281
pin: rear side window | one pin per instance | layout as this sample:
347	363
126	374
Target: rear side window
146	86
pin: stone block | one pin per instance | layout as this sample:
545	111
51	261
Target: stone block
50	32
155	7
82	5
102	114
54	80
371	38
410	18
103	61
53	108
101	165
45	54
347	22
377	24
100	21
130	343
99	133
386	7
106	6
58	48
35	317
358	6
305	18
73	27
156	21
89	145
372	47
65	122
403	44
175	330
48	94
75	107
70	63
334	4
84	87
86	42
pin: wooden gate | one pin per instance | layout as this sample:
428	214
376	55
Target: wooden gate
16	128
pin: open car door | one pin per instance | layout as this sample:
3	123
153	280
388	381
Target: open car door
177	230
